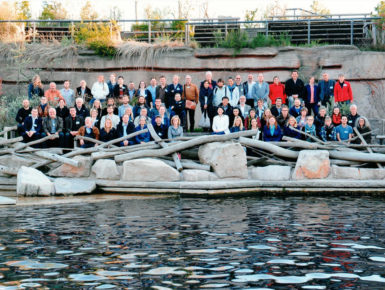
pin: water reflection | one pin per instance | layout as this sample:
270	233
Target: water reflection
298	242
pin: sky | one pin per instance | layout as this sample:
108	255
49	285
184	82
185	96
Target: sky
216	8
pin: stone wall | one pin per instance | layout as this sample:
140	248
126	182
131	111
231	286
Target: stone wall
365	70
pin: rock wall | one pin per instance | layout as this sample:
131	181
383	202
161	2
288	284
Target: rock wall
365	70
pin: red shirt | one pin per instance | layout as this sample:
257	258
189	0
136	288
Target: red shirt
277	91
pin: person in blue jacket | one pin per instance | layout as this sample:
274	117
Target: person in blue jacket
172	89
272	131
144	137
289	132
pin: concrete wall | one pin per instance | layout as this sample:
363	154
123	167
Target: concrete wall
365	70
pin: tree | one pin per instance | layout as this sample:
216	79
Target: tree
87	12
274	9
23	10
250	15
318	8
53	10
380	9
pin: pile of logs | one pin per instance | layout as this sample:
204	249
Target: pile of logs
259	153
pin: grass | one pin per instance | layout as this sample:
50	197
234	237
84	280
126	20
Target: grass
240	39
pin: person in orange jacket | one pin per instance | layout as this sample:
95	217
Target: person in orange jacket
277	90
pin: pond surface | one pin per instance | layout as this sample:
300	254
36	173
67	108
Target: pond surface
170	243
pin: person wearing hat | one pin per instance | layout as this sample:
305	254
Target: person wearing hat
160	129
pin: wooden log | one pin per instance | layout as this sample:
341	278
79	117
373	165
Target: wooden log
88	139
188	164
90	150
364	142
276	150
8	170
308	135
175	156
357	156
8	129
182	146
58	158
5	142
41	140
107	154
190	154
297	143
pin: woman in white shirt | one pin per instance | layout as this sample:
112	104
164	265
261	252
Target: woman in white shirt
220	123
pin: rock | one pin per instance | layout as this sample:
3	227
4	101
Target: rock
228	159
15	162
148	170
340	172
312	164
198	175
71	186
271	172
6	200
106	169
66	170
32	182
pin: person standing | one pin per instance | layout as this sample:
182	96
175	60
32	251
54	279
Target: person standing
248	89
161	90
99	90
294	88
277	90
326	90
191	96
343	93
312	100
260	91
68	94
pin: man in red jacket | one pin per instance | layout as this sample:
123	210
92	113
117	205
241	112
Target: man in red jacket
342	91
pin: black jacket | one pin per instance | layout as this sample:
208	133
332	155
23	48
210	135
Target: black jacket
22	114
105	137
161	130
117	90
82	112
206	93
297	88
28	124
71	124
87	93
130	129
170	94
62	112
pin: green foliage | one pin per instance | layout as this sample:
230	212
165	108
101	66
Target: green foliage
250	15
96	36
13	104
23	10
53	10
344	108
239	39
380	12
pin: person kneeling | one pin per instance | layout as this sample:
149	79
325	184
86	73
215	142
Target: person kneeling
220	123
88	131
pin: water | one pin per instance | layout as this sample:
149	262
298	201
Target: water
269	243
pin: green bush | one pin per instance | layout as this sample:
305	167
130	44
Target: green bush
237	40
13	104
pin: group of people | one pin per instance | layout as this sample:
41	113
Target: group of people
111	110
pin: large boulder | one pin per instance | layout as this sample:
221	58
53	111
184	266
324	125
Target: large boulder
32	182
340	172
312	164
65	170
228	159
148	170
14	162
271	172
71	186
198	175
106	169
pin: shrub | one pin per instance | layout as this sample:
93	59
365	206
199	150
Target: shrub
13	104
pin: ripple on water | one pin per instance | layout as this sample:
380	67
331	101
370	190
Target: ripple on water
203	251
86	277
281	261
165	271
214	285
113	273
262	247
35	265
377	259
106	286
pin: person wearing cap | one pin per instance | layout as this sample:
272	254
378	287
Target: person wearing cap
160	129
220	123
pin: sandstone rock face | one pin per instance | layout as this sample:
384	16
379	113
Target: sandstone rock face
271	172
312	164
198	175
340	172
66	170
32	182
71	186
148	170
106	169
228	159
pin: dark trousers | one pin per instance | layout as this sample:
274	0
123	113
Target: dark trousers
250	102
58	142
191	119
34	137
312	107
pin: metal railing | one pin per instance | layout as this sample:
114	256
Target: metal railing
331	29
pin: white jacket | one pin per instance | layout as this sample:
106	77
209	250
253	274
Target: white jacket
221	123
100	91
234	97
114	118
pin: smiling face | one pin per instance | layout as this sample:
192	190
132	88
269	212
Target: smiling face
73	112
